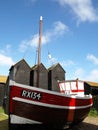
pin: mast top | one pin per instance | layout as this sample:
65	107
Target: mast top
41	18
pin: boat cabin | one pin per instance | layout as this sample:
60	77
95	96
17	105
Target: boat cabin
74	87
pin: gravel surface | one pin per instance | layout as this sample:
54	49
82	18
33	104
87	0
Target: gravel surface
90	123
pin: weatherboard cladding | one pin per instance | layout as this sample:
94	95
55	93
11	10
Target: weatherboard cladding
43	76
20	72
91	88
55	73
2	89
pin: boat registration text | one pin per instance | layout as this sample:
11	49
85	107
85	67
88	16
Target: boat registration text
30	94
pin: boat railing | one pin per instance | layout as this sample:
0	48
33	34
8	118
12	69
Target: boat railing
74	87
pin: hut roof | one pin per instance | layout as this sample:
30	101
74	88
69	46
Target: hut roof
92	84
3	79
23	60
36	66
55	65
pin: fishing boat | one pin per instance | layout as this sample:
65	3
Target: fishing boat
35	105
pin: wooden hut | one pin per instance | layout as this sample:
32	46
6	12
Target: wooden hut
91	87
55	73
20	72
43	76
2	88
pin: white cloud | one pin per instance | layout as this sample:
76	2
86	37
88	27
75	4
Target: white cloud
86	74
23	46
79	73
6	49
92	58
93	75
82	74
33	42
67	63
83	9
57	30
5	60
35	39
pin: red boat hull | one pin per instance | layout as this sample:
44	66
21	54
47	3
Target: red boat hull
46	107
48	115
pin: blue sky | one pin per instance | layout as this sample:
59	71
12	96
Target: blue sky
70	29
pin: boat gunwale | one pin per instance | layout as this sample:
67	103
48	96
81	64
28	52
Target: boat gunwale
13	83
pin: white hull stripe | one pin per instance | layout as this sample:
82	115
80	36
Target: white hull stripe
21	120
50	92
49	105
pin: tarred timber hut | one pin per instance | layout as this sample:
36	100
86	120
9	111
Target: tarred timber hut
20	72
92	88
43	76
55	73
2	88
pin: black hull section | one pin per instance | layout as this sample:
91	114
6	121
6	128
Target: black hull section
49	116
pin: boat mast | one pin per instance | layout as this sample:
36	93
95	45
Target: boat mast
39	49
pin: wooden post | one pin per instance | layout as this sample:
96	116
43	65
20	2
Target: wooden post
39	51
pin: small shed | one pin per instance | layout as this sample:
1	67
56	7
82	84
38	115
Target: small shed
43	76
20	72
2	88
55	73
91	87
